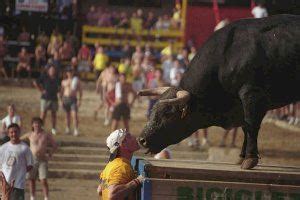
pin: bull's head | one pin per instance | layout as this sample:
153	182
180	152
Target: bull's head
169	119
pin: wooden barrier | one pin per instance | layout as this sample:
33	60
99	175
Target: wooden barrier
188	179
108	36
190	189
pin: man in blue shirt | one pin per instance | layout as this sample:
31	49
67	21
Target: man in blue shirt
49	85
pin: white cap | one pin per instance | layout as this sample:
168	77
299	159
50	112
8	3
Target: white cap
115	139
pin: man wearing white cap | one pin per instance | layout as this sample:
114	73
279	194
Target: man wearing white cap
117	180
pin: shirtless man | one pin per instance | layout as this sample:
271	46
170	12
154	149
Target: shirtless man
39	140
107	81
122	105
24	62
70	88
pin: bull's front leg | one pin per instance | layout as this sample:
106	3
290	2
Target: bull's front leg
243	151
254	105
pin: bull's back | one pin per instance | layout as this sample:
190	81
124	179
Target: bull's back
264	53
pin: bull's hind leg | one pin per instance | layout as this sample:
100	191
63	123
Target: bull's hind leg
254	104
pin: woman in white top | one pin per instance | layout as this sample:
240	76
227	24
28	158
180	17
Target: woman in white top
12	117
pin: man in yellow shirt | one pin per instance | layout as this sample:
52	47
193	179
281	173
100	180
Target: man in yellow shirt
100	61
117	180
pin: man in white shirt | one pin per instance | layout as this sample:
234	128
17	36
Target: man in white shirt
259	11
15	160
11	117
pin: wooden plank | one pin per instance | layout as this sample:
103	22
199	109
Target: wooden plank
224	165
223	172
121	31
188	189
119	42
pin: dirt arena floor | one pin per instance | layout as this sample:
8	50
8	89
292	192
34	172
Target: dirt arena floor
281	146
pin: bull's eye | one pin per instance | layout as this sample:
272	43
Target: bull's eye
168	113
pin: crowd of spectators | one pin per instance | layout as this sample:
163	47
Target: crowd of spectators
57	49
137	20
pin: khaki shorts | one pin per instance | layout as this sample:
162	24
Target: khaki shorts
49	105
40	167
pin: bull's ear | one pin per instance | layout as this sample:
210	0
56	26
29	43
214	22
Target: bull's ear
184	112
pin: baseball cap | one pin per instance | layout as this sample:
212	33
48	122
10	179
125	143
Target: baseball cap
115	139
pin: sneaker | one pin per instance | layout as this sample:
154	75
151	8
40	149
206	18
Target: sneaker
296	121
53	131
106	122
67	131
291	120
76	132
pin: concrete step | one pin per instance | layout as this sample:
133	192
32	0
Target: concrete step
76	165
80	158
82	150
99	142
74	173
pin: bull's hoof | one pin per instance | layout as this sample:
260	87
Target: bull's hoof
249	163
240	161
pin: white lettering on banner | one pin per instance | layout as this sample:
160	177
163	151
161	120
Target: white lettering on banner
32	5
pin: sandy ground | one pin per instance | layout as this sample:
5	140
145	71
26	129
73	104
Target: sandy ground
68	189
281	146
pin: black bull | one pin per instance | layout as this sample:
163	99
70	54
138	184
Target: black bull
241	72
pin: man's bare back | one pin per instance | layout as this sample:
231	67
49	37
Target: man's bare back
107	79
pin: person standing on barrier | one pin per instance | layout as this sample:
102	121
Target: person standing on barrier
117	180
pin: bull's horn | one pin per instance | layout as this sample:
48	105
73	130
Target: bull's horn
153	91
182	97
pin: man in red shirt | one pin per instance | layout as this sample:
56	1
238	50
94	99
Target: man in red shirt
24	36
84	58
